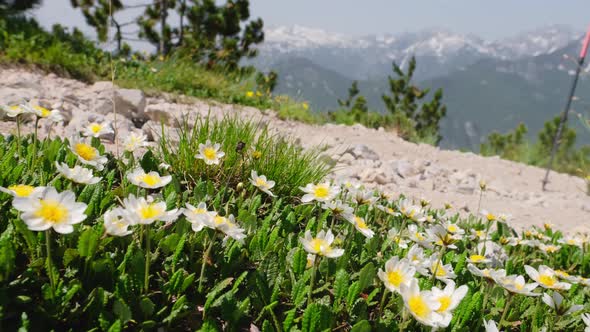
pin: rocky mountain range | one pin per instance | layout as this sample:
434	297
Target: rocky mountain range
488	85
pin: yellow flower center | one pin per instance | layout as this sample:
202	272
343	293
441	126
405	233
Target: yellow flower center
445	302
44	112
218	220
249	94
395	277
150	179
440	271
476	258
256	154
562	273
518	286
479	233
150	211
318	244
22	190
52	211
547	280
360	223
200	211
321	192
209	153
418	306
85	151
491	217
419	236
260	182
95	127
452	228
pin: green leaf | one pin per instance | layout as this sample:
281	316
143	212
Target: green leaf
69	255
88	243
362	326
299	262
340	285
367	276
289	318
147	306
116	327
121	309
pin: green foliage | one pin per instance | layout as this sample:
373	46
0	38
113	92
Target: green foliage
514	146
264	281
407	99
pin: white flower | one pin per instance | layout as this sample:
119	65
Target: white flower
321	244
115	222
449	298
416	236
397	238
439	235
44	113
15	110
490	326
210	153
199	216
87	154
134	141
360	225
228	226
262	183
51	209
453	228
478	259
387	210
338	208
486	273
442	272
363	197
421	304
151	180
322	192
516	284
479	235
410	211
548	248
546	277
416	254
96	129
586	320
77	174
397	272
575	240
489	216
22	190
139	210
555	302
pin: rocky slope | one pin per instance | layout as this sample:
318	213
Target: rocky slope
374	157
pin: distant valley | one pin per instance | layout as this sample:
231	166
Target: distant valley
488	85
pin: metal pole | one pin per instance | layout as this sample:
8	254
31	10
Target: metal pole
565	112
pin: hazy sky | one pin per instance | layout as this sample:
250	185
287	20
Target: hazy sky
490	19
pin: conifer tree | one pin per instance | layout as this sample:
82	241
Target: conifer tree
221	35
154	25
10	7
97	14
407	99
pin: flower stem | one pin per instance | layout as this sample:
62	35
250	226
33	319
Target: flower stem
312	279
18	136
34	159
383	297
204	263
49	263
440	262
147	258
506	309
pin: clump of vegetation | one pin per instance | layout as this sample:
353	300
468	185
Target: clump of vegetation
230	228
515	146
